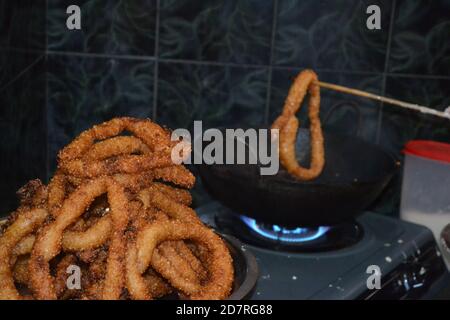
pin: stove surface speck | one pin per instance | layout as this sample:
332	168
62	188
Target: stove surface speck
336	274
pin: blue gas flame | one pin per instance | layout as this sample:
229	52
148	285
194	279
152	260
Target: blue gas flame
278	233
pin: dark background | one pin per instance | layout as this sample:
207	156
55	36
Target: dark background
227	62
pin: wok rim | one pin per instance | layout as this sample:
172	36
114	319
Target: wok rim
282	177
247	286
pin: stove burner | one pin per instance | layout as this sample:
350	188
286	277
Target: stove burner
275	237
277	233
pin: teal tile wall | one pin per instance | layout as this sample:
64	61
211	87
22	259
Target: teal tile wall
226	62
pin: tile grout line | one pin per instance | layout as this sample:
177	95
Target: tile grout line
386	66
235	65
212	63
156	67
270	67
46	27
420	76
22	50
47	160
100	55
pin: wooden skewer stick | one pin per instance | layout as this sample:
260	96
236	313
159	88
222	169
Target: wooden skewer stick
396	102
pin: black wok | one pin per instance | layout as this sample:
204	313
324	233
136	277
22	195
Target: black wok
354	176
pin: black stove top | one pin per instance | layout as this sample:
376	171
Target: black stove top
333	263
275	237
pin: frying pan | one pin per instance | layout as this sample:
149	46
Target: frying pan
354	175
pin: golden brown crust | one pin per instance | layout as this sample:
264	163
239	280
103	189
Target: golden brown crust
20	270
156	139
140	254
176	174
106	190
287	124
25	223
48	241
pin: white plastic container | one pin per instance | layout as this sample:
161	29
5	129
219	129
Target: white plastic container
426	187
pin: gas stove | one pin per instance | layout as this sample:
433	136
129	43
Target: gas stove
339	262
